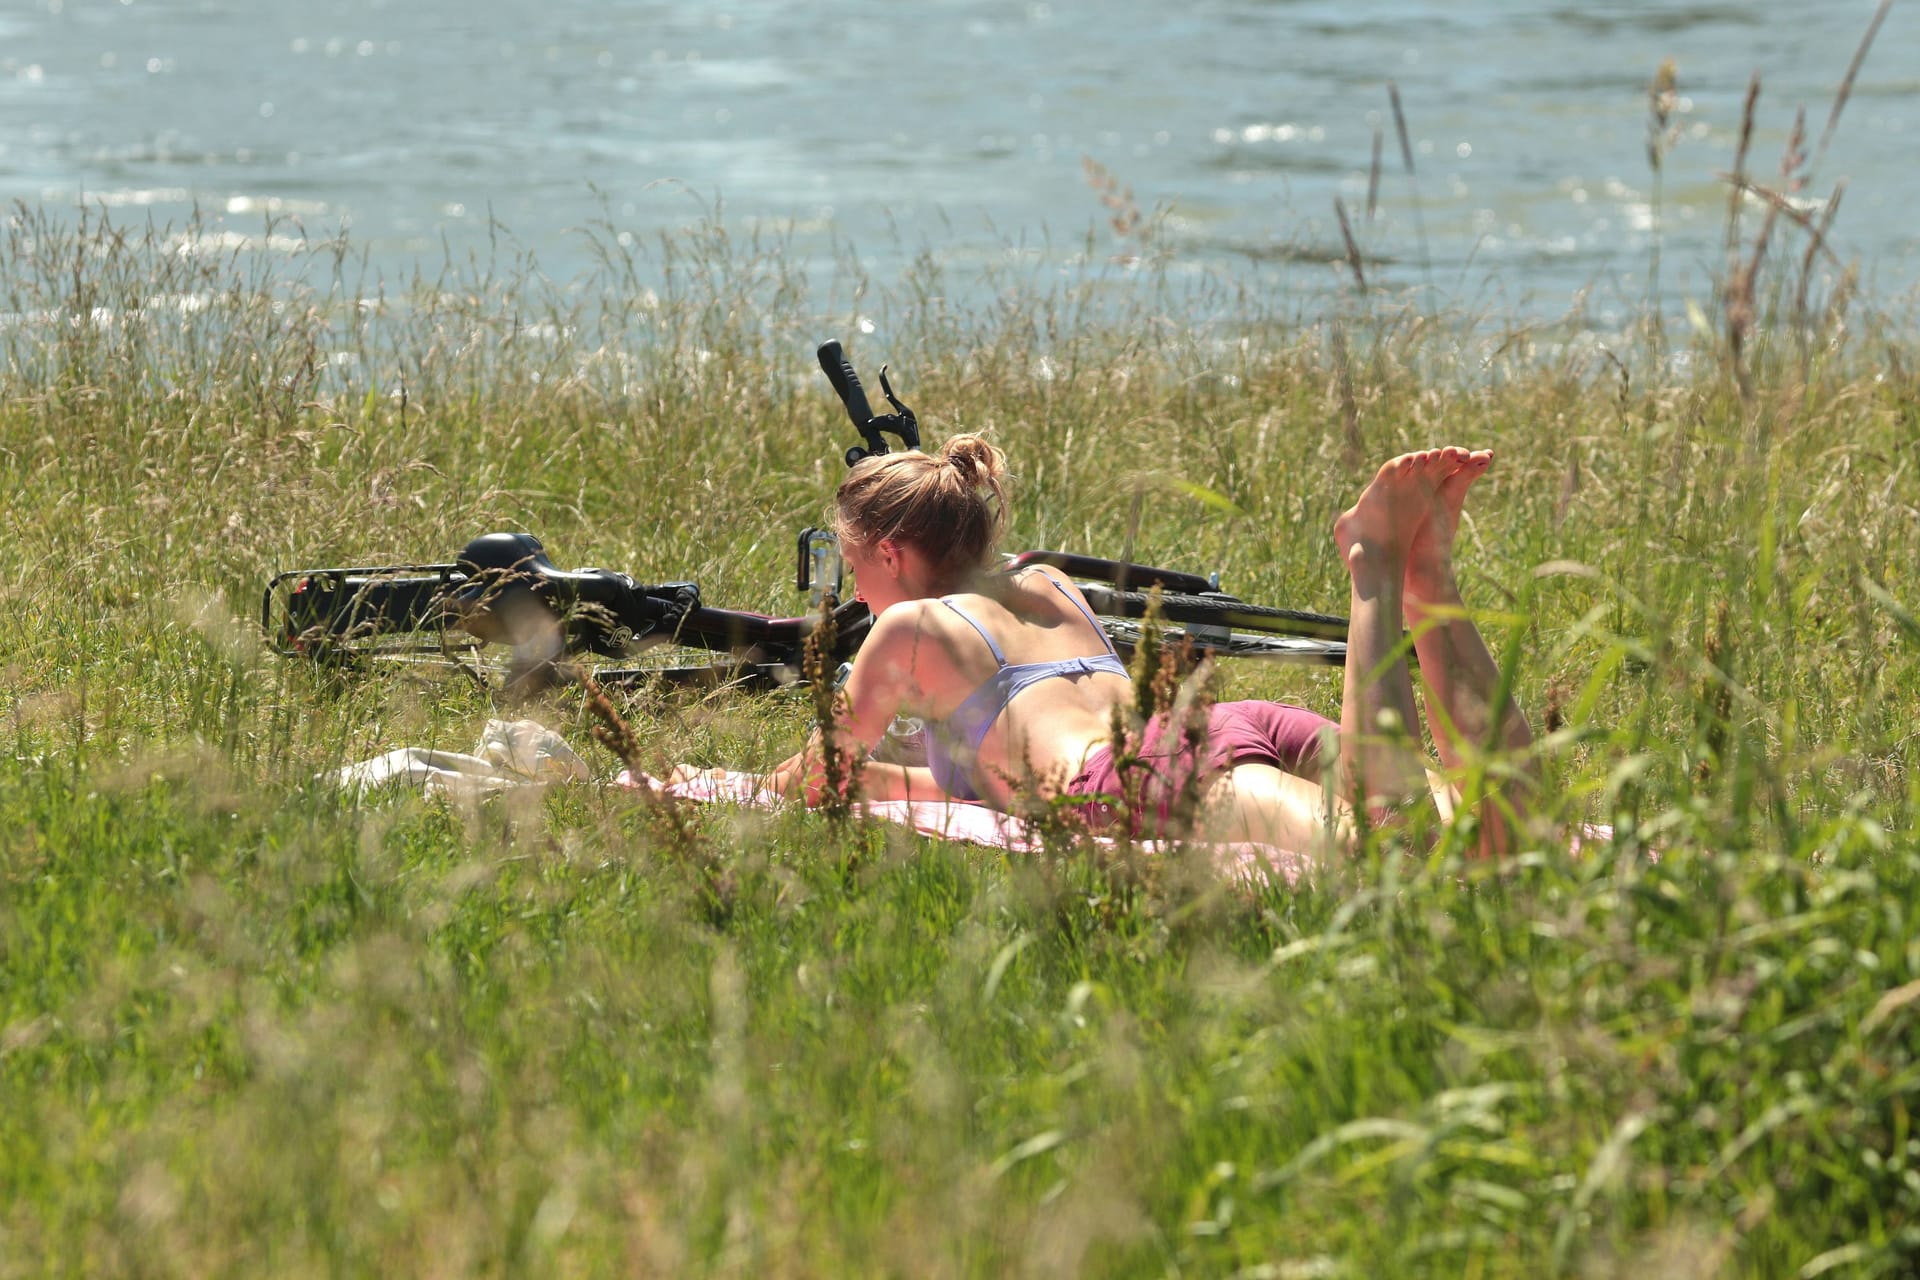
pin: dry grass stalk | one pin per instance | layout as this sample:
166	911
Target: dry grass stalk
1373	176
1126	725
1196	690
1625	399
1778	204
1714	699
1123	744
1846	82
1413	178
1400	127
1123	211
710	874
1569	490
840	789
1554	714
1793	157
1171	684
1354	444
1741	307
1353	248
1662	97
611	729
1794	176
1816	244
1739	175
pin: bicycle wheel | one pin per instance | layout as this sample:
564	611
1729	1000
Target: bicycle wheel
1216	612
1127	634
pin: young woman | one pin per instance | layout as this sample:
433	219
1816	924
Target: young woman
1018	683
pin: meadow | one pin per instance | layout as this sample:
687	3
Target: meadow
251	1026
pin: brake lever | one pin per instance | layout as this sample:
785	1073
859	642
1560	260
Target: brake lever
872	427
901	421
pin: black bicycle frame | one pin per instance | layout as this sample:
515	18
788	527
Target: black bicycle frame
504	588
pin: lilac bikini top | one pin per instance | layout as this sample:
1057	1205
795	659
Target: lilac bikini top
953	744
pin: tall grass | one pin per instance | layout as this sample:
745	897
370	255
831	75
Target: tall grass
248	1027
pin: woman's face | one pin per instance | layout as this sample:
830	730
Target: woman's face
877	574
886	572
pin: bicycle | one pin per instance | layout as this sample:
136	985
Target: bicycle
503	588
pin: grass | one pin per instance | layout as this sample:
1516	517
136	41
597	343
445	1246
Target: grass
246	1026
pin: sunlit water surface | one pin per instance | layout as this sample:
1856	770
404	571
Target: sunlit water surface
965	128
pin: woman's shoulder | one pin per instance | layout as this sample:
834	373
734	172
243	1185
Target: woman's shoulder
912	623
953	623
1040	577
1034	581
1046	587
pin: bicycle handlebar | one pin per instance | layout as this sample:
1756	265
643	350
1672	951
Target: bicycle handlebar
846	384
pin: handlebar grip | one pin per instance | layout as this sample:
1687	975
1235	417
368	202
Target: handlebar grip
846	383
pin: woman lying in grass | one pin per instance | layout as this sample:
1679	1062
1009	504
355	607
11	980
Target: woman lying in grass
1019	684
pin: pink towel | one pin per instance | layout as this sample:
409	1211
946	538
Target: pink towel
979	824
976	824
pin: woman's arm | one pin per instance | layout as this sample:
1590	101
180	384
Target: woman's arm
885	681
882	781
803	776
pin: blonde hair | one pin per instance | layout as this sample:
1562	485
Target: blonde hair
950	505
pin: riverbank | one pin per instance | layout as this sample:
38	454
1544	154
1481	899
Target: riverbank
247	1026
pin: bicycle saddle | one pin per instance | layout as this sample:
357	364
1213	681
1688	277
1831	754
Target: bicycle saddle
508	579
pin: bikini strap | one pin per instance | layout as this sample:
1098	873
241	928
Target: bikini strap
1081	605
998	656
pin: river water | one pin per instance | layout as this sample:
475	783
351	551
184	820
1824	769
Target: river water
966	128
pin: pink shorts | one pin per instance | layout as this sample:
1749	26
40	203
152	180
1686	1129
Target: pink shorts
1274	733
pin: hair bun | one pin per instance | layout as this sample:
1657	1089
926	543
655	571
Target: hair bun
949	502
977	459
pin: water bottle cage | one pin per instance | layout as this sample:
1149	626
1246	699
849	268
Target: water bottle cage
818	568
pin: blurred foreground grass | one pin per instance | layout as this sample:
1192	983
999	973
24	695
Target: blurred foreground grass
248	1027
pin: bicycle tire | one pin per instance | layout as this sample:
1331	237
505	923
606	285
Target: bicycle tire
1126	634
1219	612
753	677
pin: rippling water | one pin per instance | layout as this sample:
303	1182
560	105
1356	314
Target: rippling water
964	126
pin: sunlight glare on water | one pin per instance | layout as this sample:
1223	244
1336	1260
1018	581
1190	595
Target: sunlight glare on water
965	127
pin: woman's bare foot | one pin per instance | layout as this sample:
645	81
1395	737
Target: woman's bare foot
1429	561
1377	534
1379	768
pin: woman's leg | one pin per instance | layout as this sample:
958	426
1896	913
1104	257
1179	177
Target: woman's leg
1397	543
1264	804
1460	674
1461	678
1380	765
